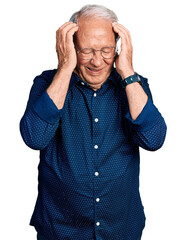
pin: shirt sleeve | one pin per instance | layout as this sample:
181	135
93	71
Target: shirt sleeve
149	129
41	118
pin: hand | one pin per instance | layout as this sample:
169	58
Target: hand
65	46
124	59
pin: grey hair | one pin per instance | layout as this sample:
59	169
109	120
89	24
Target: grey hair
94	11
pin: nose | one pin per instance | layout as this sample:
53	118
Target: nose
97	59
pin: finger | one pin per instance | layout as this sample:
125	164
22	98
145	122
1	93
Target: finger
64	32
118	24
124	34
121	26
60	32
60	28
65	44
121	30
124	41
69	35
65	25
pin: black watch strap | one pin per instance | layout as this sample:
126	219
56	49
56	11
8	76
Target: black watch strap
131	79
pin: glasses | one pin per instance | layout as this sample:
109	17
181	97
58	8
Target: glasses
88	53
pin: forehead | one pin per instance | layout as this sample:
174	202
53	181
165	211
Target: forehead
95	31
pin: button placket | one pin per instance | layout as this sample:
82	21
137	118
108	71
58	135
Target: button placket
95	124
97	199
95	121
95	127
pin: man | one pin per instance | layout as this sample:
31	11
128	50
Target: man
88	120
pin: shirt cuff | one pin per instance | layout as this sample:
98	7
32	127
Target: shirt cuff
46	109
146	119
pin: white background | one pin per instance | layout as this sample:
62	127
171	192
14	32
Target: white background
28	47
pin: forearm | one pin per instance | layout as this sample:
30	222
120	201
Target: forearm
35	131
149	129
136	96
57	90
137	99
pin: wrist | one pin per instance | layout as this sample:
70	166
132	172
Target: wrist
126	74
131	80
65	68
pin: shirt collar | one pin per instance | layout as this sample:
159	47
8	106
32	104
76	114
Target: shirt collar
114	77
74	80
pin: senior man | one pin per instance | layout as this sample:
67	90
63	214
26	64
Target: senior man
88	119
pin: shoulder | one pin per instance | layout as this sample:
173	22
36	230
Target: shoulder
46	75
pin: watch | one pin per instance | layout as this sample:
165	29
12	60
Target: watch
131	79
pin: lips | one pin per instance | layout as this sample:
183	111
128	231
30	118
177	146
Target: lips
94	71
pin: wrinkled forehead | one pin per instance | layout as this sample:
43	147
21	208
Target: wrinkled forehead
90	24
92	29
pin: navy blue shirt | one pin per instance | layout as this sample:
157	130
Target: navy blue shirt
89	159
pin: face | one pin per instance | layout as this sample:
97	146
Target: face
94	33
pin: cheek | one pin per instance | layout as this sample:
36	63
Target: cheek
81	64
110	63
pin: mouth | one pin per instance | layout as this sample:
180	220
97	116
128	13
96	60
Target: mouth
94	71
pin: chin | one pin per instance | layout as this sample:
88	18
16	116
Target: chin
92	76
96	79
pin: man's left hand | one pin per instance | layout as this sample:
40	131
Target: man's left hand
124	59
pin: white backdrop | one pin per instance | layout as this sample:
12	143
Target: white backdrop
28	47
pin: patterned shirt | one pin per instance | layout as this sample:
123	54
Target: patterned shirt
89	159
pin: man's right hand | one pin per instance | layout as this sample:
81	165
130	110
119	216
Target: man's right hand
67	61
65	48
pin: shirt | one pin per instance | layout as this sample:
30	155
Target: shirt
89	159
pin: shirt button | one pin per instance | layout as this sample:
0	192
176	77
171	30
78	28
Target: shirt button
82	83
96	146
98	223
96	174
95	94
96	119
97	199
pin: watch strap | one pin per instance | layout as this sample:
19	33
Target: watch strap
131	79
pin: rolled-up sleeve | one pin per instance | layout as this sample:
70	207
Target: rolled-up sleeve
149	129
46	109
41	118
